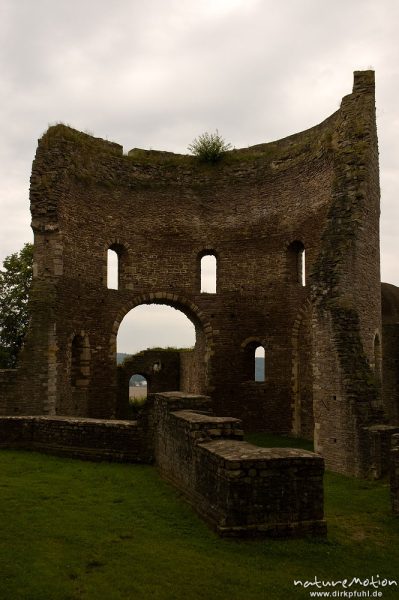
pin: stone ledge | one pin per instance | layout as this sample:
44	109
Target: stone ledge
242	451
69	420
88	439
196	417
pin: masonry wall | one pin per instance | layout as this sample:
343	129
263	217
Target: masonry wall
240	489
394	473
161	368
88	439
161	212
390	371
390	350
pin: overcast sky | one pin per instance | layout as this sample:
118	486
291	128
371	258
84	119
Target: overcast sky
157	73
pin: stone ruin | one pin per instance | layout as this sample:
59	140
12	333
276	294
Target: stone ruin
294	228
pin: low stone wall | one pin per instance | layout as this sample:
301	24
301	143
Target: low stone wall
240	489
395	473
89	439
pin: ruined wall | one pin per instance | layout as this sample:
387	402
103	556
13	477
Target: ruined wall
161	368
239	489
255	211
346	290
232	209
7	389
191	370
394	474
390	350
88	439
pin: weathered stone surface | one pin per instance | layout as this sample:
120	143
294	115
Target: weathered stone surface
239	489
256	211
395	473
90	439
161	368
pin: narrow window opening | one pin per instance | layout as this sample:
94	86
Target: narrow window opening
260	363
112	270
137	390
297	263
208	274
302	267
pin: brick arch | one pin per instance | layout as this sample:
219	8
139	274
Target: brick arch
252	341
116	241
248	361
179	302
188	308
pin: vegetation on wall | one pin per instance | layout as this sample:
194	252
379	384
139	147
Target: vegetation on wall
15	281
209	147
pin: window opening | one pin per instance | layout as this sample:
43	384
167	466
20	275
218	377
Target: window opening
112	270
208	274
137	389
260	363
302	267
297	262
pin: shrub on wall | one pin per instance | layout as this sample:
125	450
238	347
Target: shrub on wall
209	147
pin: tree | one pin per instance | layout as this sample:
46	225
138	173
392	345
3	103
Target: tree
15	282
209	147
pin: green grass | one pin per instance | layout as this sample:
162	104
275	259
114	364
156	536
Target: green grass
76	530
270	440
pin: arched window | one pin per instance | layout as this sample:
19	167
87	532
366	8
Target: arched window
137	389
112	270
117	267
259	374
296	262
254	360
80	361
208	274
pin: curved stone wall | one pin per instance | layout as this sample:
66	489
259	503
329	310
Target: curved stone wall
256	211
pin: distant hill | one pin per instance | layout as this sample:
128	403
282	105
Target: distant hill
120	357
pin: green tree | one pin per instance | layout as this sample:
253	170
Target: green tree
209	147
15	282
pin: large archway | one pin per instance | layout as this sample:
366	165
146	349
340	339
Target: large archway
154	326
165	368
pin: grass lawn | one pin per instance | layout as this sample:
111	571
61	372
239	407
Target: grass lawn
78	530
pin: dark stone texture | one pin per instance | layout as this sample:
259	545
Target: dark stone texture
238	488
89	439
395	473
255	210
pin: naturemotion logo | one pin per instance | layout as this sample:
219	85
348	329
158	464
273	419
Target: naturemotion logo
351	587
